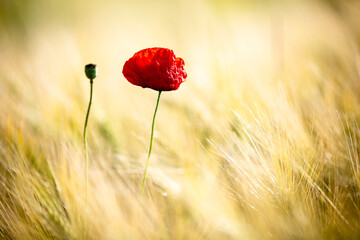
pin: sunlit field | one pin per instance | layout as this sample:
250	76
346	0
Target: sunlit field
262	141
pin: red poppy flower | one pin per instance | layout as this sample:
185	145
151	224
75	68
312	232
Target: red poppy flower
155	68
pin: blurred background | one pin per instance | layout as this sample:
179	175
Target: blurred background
260	142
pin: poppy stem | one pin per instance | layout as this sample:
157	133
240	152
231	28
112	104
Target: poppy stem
150	148
85	141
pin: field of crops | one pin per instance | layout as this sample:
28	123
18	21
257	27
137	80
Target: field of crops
262	140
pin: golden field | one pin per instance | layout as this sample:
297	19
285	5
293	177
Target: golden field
261	142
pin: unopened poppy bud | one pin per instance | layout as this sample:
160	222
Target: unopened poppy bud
91	71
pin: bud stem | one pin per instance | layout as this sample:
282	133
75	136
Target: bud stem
85	141
151	141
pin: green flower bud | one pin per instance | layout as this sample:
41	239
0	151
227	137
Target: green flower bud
91	71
